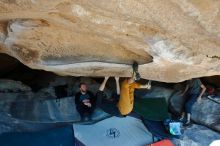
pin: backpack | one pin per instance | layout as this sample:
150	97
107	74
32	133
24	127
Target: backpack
173	127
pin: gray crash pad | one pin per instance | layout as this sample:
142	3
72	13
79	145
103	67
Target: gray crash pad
114	131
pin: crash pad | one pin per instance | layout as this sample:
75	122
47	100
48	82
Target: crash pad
152	108
114	131
164	142
63	136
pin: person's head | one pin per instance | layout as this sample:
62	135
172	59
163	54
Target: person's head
83	87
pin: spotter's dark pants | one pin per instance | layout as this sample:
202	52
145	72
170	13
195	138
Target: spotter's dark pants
190	102
83	110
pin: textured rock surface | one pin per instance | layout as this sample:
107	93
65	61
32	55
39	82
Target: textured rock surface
197	135
13	86
205	112
21	102
173	40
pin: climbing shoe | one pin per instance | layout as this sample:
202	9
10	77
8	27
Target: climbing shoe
135	71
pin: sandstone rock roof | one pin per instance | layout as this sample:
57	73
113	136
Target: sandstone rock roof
173	40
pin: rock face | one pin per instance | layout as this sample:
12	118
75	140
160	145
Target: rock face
13	86
173	40
205	112
197	135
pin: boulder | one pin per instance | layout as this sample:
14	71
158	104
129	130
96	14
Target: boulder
197	135
13	86
205	112
172	40
155	92
176	103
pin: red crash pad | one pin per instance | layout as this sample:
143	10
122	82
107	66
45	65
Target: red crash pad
165	142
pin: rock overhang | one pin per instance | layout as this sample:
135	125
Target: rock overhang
172	40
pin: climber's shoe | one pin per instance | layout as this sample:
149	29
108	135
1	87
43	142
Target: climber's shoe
135	71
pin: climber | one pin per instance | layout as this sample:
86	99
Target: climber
124	99
109	105
85	102
194	93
